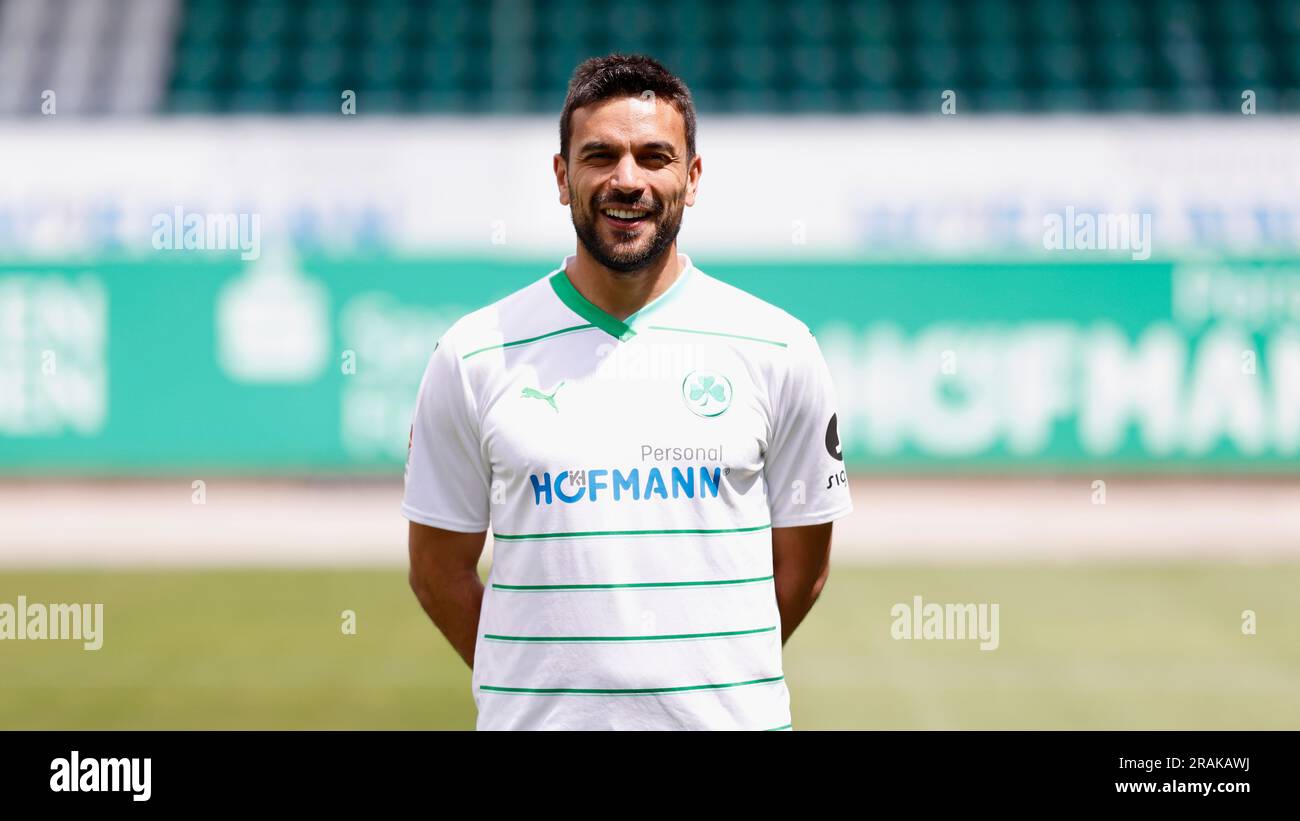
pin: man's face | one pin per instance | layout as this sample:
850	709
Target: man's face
627	179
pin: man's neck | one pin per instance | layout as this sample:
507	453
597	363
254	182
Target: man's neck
622	294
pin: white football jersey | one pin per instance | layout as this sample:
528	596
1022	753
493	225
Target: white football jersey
631	472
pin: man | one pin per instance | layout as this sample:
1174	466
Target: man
656	453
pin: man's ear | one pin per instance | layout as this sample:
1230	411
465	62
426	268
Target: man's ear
561	178
693	173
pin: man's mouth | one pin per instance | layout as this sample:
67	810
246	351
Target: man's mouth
625	218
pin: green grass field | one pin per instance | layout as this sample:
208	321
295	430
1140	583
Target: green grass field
1082	646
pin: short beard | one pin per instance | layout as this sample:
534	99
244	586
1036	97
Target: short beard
665	234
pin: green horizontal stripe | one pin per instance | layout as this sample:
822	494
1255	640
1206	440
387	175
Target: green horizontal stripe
529	339
782	727
577	534
669	637
713	583
644	691
718	333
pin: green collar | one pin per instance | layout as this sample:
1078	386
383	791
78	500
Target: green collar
620	329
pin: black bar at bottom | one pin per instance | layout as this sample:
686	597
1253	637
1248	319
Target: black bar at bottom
445	772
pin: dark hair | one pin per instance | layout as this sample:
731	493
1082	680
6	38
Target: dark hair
625	75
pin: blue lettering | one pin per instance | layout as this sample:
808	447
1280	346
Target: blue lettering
628	482
711	482
592	485
545	490
684	481
539	489
654	483
559	489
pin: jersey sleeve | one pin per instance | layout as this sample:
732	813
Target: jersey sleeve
804	463
448	475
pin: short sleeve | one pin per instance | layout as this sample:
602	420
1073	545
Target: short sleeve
448	477
804	463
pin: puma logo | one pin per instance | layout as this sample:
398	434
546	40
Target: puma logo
549	398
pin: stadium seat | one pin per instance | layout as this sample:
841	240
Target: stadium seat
740	55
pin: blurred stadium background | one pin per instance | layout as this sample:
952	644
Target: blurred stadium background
209	440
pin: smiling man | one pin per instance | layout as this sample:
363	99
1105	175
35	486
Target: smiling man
655	451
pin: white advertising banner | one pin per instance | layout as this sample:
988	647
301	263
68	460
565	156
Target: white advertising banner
832	187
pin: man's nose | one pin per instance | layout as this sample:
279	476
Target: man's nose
627	174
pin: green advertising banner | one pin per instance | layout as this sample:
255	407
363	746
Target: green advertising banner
290	366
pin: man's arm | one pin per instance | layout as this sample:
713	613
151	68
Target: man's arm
444	577
800	565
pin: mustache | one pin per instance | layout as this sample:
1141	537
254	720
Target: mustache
652	208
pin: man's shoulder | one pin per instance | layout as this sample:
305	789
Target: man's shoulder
738	312
523	313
